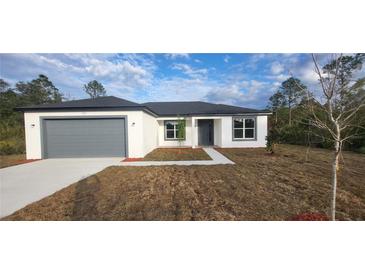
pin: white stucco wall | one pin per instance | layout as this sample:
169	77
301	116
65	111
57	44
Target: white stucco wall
136	147
170	143
218	132
150	133
261	130
145	132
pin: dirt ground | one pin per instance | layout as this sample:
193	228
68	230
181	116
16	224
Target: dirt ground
11	160
258	187
177	154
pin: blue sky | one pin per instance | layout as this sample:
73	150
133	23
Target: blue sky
240	79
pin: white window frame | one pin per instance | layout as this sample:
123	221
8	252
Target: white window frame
175	129
244	128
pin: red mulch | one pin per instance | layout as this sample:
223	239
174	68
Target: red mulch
132	160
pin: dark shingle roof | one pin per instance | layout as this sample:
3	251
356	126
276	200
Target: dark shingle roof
157	108
196	108
100	102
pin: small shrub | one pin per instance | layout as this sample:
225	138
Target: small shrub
181	131
271	140
270	145
15	146
310	217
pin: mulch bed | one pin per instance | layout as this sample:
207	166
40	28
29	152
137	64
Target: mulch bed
132	160
279	187
177	154
13	160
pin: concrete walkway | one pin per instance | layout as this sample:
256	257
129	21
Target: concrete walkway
23	184
217	159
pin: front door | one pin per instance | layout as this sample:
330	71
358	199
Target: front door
205	132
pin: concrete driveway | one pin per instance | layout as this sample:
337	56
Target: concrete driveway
23	184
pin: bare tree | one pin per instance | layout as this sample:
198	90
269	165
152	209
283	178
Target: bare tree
343	98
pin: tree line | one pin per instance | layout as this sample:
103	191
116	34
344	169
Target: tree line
37	91
296	108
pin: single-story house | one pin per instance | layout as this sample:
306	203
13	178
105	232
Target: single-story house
111	126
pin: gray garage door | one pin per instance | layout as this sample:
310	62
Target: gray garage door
84	138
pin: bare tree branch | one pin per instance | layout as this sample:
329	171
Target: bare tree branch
340	109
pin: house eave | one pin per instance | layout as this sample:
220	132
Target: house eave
214	114
65	109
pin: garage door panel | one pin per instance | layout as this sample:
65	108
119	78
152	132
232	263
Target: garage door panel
84	138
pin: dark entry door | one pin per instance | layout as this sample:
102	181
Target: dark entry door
205	132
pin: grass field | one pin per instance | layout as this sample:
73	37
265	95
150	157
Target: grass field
258	187
177	154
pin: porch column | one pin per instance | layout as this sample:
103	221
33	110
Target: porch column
193	132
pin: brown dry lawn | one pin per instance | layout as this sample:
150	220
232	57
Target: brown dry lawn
177	154
258	187
11	160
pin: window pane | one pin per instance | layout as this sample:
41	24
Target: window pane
249	123
169	134
249	133
169	125
238	123
238	133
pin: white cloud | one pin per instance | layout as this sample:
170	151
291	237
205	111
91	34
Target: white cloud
179	89
280	77
254	61
250	93
177	55
277	68
70	72
290	65
307	74
188	70
225	94
226	59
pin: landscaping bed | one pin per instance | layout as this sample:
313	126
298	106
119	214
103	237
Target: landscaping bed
12	160
177	154
259	187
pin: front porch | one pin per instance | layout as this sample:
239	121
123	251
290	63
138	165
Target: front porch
199	132
206	132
